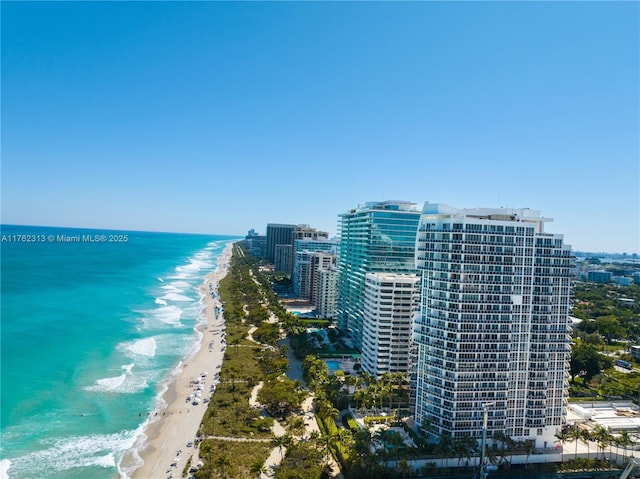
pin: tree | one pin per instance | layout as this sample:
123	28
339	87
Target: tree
297	427
280	396
562	437
394	439
585	436
257	468
464	447
624	439
282	442
445	448
405	468
601	436
585	361
222	462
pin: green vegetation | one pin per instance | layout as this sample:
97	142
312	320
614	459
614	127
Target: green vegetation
249	300
602	312
227	459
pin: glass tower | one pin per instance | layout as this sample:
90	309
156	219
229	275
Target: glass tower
375	237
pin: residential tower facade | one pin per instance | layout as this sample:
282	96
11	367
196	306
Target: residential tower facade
493	327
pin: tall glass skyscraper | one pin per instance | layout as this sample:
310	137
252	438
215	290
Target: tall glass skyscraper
493	327
375	237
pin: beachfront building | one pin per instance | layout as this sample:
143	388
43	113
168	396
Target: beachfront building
325	291
283	259
304	264
256	244
306	232
374	237
390	302
278	234
493	327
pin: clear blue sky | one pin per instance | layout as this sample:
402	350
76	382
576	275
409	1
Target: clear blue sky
220	117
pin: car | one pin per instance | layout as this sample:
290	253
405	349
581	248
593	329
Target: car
190	444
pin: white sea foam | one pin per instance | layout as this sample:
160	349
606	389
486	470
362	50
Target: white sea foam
107	384
142	347
5	465
125	383
104	461
168	315
161	301
176	297
74	452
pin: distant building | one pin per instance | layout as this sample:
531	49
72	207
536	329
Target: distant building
390	302
285	235
635	352
256	244
374	237
599	276
621	280
303	268
283	259
493	325
636	278
278	234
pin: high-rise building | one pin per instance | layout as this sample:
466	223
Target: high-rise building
493	328
281	235
304	250
375	237
306	232
325	292
256	244
390	302
278	234
283	259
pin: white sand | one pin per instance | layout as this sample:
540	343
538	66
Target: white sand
179	421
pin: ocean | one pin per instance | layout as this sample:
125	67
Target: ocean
93	326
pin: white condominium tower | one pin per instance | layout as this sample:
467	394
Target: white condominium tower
493	326
390	303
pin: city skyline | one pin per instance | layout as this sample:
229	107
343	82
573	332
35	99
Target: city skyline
219	117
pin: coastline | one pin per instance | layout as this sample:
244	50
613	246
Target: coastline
176	423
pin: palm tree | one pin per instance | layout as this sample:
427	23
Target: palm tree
624	439
345	437
362	443
394	439
257	468
585	436
405	468
222	462
445	448
506	444
464	447
282	442
527	446
603	437
575	434
562	437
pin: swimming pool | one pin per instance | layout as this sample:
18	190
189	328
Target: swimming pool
333	365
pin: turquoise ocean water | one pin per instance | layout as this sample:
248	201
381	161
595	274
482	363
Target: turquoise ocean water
91	331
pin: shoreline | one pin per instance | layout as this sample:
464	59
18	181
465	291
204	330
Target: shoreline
177	421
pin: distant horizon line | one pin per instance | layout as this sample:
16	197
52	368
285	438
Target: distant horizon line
93	228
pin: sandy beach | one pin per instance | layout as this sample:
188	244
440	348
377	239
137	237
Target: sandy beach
175	426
